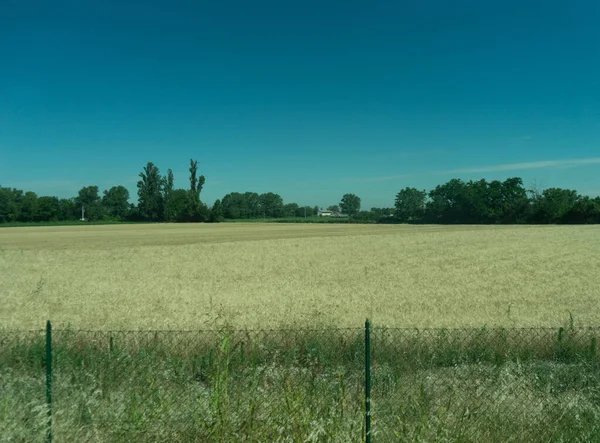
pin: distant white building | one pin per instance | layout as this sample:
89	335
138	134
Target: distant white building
323	213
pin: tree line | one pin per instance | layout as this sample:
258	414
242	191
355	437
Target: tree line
454	202
495	202
158	201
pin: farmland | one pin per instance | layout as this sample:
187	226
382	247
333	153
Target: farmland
199	276
304	382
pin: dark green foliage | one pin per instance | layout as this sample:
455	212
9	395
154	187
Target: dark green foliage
450	203
150	193
89	198
478	202
197	211
454	202
513	201
553	205
67	209
271	205
116	203
196	183
251	205
10	204
232	206
366	217
584	211
216	212
183	207
167	191
308	212
178	208
305	211
294	210
383	212
28	207
47	209
350	204
290	210
410	205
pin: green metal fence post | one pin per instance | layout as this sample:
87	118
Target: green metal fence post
49	380
368	381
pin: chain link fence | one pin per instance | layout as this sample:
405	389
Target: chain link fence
486	385
302	385
23	406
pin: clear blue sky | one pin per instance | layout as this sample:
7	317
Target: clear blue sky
310	99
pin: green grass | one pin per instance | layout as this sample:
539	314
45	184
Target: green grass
245	220
300	220
66	223
305	385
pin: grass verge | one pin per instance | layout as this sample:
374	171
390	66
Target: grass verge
304	385
68	223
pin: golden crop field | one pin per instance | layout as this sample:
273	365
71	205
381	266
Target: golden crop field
200	276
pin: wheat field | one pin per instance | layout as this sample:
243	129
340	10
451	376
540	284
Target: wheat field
201	276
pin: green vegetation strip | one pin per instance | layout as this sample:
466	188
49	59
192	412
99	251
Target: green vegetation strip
304	385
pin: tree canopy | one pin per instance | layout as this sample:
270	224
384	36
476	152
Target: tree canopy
453	202
150	193
410	204
350	204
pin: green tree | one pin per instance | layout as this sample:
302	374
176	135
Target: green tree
271	205
367	217
28	207
184	208
89	198
150	197
447	202
410	204
305	211
250	205
47	209
585	211
515	204
180	209
196	183
67	209
553	205
384	212
10	204
478	202
216	212
197	210
231	204
350	204
334	208
290	209
167	191
116	202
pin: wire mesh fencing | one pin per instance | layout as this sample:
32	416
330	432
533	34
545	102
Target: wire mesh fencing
302	385
23	407
285	385
486	385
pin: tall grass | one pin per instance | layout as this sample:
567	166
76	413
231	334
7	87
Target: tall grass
304	385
